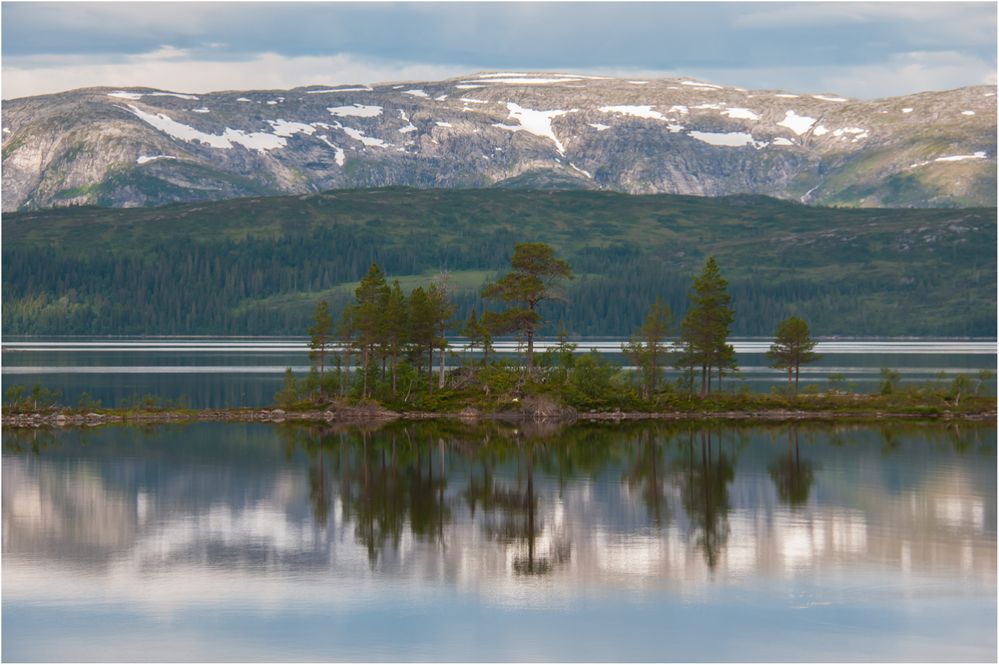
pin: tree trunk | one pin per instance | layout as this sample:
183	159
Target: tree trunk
364	390
530	352
704	382
430	370
797	372
395	362
530	344
440	379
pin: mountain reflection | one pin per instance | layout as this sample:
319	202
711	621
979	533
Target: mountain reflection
494	506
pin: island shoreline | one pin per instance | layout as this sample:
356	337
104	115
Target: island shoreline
367	416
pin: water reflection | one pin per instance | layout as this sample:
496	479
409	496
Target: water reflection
296	518
792	476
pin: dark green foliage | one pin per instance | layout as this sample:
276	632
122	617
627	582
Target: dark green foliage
320	335
707	325
649	348
792	347
591	381
535	278
258	266
890	379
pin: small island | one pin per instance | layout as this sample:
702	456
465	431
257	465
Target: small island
378	363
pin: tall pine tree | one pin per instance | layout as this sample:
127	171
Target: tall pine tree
705	328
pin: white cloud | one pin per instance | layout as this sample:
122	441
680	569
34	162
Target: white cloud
935	21
171	69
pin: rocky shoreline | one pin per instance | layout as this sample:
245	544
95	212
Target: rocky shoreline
377	414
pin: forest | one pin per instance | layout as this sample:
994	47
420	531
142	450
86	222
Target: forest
258	266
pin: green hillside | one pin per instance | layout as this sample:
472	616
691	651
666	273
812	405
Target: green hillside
258	265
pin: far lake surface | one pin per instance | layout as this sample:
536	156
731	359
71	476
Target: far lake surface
214	372
447	541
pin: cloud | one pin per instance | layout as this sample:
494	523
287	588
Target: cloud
199	47
941	17
170	70
184	70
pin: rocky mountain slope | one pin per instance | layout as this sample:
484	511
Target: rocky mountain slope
140	147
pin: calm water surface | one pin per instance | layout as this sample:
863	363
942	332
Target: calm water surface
213	372
447	542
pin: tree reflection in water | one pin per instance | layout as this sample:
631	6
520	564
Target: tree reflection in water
792	476
510	479
704	478
646	473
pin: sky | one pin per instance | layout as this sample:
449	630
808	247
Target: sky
864	50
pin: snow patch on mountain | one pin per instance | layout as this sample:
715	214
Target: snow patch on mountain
355	111
144	159
415	93
534	122
122	94
636	111
740	113
364	88
288	129
702	85
599	127
369	141
953	158
727	139
340	156
409	127
799	124
521	80
259	141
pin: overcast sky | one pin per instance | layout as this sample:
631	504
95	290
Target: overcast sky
863	50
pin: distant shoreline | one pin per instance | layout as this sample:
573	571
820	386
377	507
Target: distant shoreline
375	415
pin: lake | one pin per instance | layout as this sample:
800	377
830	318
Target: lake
446	541
214	372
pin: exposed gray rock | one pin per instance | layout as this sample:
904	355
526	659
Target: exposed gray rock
140	147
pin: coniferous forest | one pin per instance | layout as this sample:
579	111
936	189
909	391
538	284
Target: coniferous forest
258	266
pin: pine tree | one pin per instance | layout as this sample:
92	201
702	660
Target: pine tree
472	330
443	310
792	347
319	335
421	328
705	328
534	279
366	317
649	348
395	324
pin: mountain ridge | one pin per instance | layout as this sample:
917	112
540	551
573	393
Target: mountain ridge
143	146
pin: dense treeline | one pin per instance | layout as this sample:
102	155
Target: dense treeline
258	266
251	287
